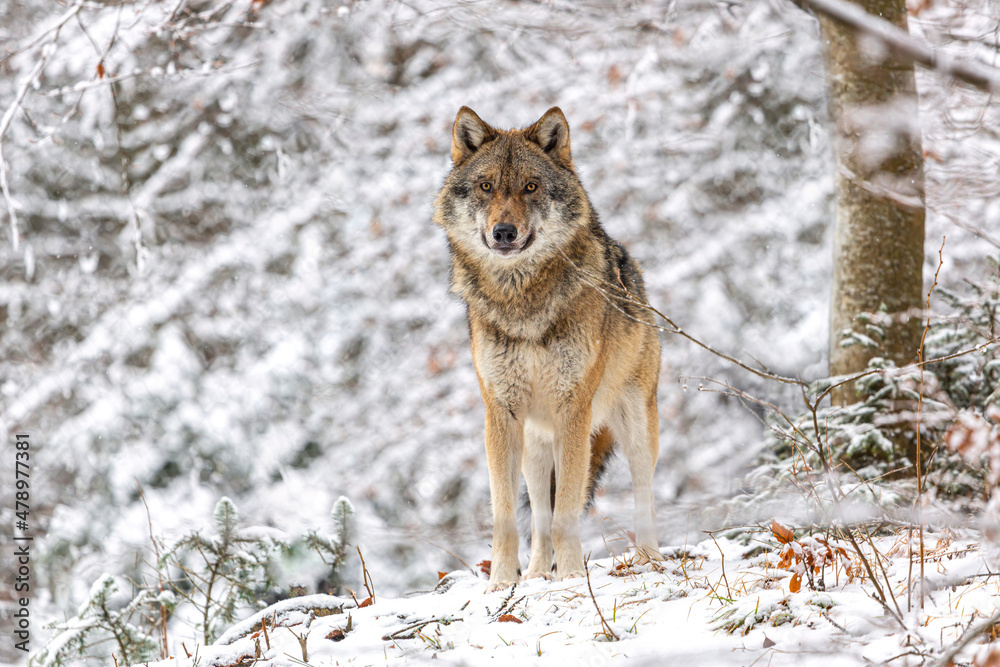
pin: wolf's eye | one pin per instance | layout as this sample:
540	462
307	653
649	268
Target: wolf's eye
486	186
530	187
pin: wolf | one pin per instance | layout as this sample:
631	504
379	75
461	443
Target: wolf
567	357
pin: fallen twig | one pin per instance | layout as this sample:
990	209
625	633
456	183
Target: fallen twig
369	584
413	628
608	631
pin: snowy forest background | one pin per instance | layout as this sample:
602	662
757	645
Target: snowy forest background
226	282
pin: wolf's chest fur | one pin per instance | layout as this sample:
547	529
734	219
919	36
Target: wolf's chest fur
527	331
524	303
538	349
524	372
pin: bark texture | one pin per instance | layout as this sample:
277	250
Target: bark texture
879	236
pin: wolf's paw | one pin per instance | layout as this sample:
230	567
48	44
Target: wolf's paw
572	574
538	575
495	586
569	562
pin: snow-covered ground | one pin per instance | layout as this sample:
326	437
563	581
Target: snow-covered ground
707	604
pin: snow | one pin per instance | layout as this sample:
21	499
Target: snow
706	605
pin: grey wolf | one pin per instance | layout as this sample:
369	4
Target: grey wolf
566	356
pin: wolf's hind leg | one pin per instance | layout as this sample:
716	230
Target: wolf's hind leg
637	427
537	465
572	457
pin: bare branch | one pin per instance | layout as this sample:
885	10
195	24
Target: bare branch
609	633
616	295
917	51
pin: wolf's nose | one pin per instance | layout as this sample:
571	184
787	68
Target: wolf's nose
504	233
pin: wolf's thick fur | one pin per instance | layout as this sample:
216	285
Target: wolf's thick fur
567	364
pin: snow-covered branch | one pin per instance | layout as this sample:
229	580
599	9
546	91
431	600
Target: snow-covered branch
8	116
898	41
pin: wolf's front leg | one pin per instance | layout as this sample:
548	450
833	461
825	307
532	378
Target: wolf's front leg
504	440
572	457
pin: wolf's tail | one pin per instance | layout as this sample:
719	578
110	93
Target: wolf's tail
602	446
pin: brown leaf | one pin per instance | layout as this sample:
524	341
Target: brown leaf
621	570
100	70
368	602
782	534
991	659
795	583
509	618
441	575
336	635
768	642
484	566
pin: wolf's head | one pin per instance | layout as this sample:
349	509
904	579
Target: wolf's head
511	194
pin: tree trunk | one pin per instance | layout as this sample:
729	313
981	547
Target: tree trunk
879	234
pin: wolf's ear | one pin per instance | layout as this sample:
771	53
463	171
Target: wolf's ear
551	132
467	135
